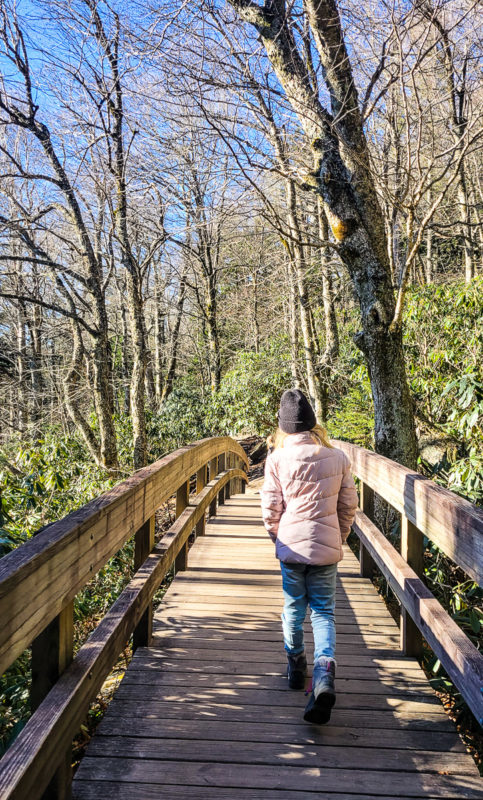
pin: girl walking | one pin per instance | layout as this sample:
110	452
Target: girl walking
308	503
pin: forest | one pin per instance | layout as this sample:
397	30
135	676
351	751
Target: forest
206	202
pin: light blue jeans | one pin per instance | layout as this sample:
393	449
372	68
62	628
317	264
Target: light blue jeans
309	585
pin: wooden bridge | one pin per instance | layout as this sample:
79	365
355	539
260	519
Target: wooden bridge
203	710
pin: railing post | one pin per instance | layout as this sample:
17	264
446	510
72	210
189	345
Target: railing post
221	468
52	652
412	551
213	473
236	482
200	484
227	485
143	544
182	496
367	564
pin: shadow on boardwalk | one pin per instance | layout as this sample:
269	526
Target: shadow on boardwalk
206	712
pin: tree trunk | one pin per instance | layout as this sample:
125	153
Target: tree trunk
298	264
428	264
102	386
342	177
330	319
35	326
212	332
72	397
292	322
465	227
125	361
256	324
173	359
23	415
150	386
159	339
138	373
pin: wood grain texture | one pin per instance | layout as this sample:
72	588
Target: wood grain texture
57	562
206	711
458	655
452	523
34	756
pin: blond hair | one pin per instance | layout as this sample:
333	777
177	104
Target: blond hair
318	434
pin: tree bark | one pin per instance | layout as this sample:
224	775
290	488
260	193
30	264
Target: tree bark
125	361
114	100
330	319
23	404
457	97
173	359
212	331
428	263
292	322
159	336
72	397
298	266
35	327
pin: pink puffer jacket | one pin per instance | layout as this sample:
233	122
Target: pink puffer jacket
308	500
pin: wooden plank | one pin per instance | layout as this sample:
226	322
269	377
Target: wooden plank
270	632
383	685
417	715
195	592
55	564
275	656
452	523
460	658
230	607
397	784
264	645
367	665
93	790
322	755
360	698
295	732
262	639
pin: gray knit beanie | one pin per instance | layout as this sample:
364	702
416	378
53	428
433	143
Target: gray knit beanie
295	413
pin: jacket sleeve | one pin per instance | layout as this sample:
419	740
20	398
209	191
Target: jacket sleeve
272	499
347	502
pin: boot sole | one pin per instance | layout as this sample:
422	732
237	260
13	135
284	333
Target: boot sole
320	712
297	683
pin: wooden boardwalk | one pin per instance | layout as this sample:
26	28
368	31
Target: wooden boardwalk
206	713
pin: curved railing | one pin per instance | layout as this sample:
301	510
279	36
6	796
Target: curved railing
39	581
455	526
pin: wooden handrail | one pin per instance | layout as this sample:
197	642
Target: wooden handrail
42	576
452	523
458	655
29	763
455	526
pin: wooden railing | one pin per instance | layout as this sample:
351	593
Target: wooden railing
455	526
39	581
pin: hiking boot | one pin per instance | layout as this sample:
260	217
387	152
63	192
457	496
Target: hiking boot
296	671
322	698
